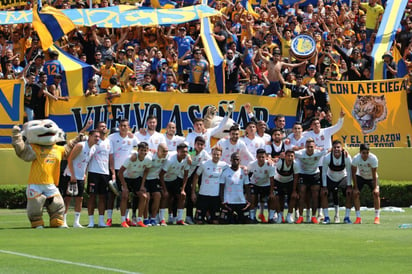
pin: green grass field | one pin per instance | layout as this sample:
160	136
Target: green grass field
262	248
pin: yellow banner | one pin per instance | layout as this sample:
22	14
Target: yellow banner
179	108
376	112
5	4
11	102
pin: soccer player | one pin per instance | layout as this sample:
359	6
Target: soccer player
122	143
296	140
200	155
76	171
234	144
152	183
208	199
172	140
276	149
99	175
252	141
173	178
131	175
336	175
233	184
308	159
364	172
285	183
151	136
261	175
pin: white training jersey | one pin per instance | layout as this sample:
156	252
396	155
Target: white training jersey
156	167
300	142
253	144
211	172
228	149
309	164
100	160
266	137
198	159
324	137
234	182
364	168
172	143
122	147
260	174
283	173
153	140
135	169
337	175
174	168
81	161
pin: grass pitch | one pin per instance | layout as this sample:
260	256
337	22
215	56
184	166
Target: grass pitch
262	248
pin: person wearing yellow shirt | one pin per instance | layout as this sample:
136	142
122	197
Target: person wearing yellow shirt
310	78
374	13
112	92
132	85
107	72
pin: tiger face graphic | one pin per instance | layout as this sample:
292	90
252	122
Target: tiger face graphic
368	110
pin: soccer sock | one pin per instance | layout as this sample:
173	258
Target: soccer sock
109	213
123	218
127	213
91	219
179	214
252	214
347	212
377	213
307	213
65	218
171	217
261	208
280	215
289	215
336	210
162	214
101	220
319	212
357	214
139	219
271	214
326	212
76	217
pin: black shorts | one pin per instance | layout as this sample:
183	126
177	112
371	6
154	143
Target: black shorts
361	182
335	186
209	204
97	183
262	191
235	214
174	187
282	189
65	182
310	179
153	185
133	185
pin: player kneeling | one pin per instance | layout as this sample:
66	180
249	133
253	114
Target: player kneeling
233	183
285	184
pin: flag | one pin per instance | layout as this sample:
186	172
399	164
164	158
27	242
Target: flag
248	7
162	4
123	72
397	58
75	73
50	24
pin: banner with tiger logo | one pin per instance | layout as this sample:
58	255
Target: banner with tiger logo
376	112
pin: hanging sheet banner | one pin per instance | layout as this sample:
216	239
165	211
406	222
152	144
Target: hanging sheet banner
181	109
11	102
119	16
376	112
5	4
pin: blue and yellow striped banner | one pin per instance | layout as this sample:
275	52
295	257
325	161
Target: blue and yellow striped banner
386	34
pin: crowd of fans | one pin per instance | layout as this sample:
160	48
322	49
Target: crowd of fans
172	59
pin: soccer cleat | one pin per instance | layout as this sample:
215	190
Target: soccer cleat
320	218
181	223
300	220
262	218
133	222
283	220
124	224
147	222
253	221
189	221
346	220
170	221
337	219
272	221
377	221
90	226
75	189
326	220
289	219
102	225
163	223
77	225
109	222
153	222
279	219
358	221
129	223
140	224
315	220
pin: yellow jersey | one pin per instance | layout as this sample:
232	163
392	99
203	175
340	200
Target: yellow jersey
46	168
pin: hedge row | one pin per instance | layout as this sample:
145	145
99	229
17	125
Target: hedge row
14	196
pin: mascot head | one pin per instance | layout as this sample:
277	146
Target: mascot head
43	132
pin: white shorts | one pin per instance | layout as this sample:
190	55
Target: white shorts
34	191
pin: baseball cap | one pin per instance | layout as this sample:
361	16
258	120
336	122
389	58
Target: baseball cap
312	67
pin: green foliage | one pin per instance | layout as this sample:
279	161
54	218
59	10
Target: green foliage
12	196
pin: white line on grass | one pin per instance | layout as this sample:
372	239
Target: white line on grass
66	262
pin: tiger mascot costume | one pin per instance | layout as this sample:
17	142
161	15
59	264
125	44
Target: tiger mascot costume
36	143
